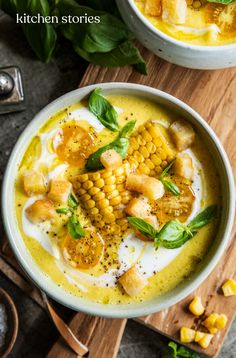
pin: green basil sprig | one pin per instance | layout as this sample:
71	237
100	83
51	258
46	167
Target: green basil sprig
73	225
176	351
168	184
174	234
103	110
120	145
225	2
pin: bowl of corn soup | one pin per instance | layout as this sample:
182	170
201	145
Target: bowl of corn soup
194	34
118	200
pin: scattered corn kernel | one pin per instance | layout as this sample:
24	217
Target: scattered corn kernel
187	335
206	340
196	306
229	288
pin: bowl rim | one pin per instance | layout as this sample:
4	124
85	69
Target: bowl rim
172	40
55	292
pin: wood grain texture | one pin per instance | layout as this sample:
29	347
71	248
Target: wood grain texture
102	337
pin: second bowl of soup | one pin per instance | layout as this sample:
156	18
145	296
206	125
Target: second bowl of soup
194	34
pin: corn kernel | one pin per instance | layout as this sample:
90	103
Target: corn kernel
143	169
119	171
94	176
88	184
102	204
99	196
94	211
121	179
198	336
155	159
89	204
110	180
109	188
85	197
149	164
146	136
196	306
99	183
138	156
205	341
229	288
83	178
144	152
221	321
115	201
112	194
187	335
106	174
151	147
93	191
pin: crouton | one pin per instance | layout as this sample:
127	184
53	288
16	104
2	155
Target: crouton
59	191
132	281
34	183
183	166
41	210
174	11
182	134
110	159
150	187
138	207
153	7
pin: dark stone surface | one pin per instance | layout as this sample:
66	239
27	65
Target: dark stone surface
43	83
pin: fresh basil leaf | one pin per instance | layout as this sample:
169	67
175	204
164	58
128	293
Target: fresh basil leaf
170	186
103	110
101	36
127	129
74	228
102	5
120	145
186	353
63	211
178	242
143	227
225	2
166	170
203	218
125	54
9	7
72	201
41	37
171	231
174	348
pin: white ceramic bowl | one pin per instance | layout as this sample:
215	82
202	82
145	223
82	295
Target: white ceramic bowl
131	310
172	50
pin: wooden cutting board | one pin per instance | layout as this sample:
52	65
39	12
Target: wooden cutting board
212	94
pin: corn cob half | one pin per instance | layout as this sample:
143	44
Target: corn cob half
103	194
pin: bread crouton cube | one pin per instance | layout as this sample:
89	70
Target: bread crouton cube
183	166
34	183
150	187
182	134
59	191
132	281
110	159
41	210
174	11
153	7
138	207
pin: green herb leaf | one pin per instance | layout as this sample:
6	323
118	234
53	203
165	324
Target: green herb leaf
125	54
41	37
203	218
181	351
72	201
225	2
174	348
127	129
74	228
120	145
170	186
143	227
173	235
63	211
103	110
166	171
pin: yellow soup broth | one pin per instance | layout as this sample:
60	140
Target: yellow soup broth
206	24
46	241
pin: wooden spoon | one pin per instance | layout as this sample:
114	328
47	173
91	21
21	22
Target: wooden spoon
12	323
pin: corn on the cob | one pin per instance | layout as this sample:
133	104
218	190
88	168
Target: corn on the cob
150	150
104	195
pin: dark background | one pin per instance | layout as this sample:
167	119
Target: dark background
42	84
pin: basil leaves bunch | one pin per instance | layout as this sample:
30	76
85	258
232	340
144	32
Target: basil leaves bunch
73	225
176	351
120	145
174	234
108	42
168	183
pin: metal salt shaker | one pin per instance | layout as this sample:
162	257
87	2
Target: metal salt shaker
11	90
